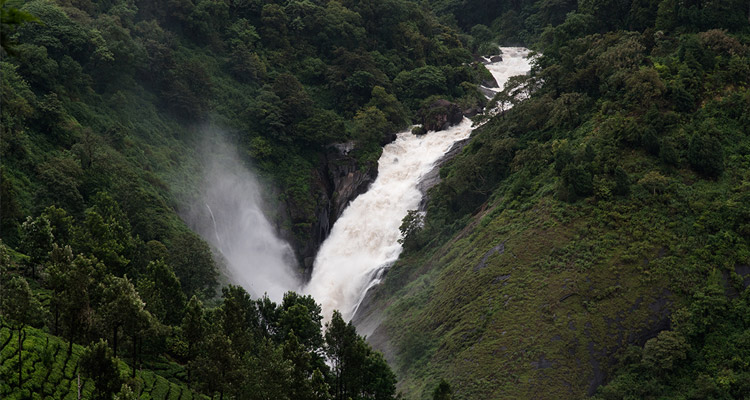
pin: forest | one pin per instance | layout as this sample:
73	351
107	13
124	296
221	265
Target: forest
618	183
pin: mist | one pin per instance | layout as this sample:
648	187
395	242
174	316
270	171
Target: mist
227	211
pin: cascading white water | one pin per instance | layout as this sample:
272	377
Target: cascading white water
364	240
516	61
365	237
229	215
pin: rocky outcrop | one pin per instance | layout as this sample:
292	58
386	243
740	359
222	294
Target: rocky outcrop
440	115
338	180
348	179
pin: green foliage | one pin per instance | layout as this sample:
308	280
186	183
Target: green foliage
442	391
192	262
98	364
358	371
559	231
706	155
410	227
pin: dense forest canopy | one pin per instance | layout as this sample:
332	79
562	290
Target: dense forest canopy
630	135
102	104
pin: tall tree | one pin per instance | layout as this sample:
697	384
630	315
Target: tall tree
18	304
123	308
36	240
162	292
194	327
99	364
191	259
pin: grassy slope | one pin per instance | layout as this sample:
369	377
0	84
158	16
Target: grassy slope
573	286
48	372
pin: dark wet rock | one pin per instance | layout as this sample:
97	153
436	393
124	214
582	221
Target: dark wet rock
497	58
440	115
418	130
487	92
338	180
490	83
472	111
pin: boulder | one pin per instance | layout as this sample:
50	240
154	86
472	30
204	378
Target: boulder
472	111
497	58
490	83
440	115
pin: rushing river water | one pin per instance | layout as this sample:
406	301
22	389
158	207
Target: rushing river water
364	240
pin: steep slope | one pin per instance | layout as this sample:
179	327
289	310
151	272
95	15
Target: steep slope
584	220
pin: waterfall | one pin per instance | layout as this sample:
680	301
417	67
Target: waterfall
364	240
236	226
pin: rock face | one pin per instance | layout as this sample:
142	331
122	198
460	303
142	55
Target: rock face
338	180
440	115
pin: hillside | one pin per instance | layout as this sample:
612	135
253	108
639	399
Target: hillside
591	239
607	210
105	109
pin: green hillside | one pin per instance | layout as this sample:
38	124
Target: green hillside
49	373
591	240
105	105
612	204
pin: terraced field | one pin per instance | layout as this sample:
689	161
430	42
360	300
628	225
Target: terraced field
50	372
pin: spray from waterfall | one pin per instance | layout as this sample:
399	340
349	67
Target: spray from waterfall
228	212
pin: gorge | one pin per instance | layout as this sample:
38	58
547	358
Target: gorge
363	241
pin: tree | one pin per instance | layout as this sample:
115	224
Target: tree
216	366
11	18
36	240
239	318
370	127
71	281
393	110
18	304
358	371
443	391
269	374
192	262
654	182
123	308
301	315
61	223
665	352
100	365
411	225
706	155
194	327
295	352
161	291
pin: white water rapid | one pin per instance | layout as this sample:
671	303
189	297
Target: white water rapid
364	240
516	61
